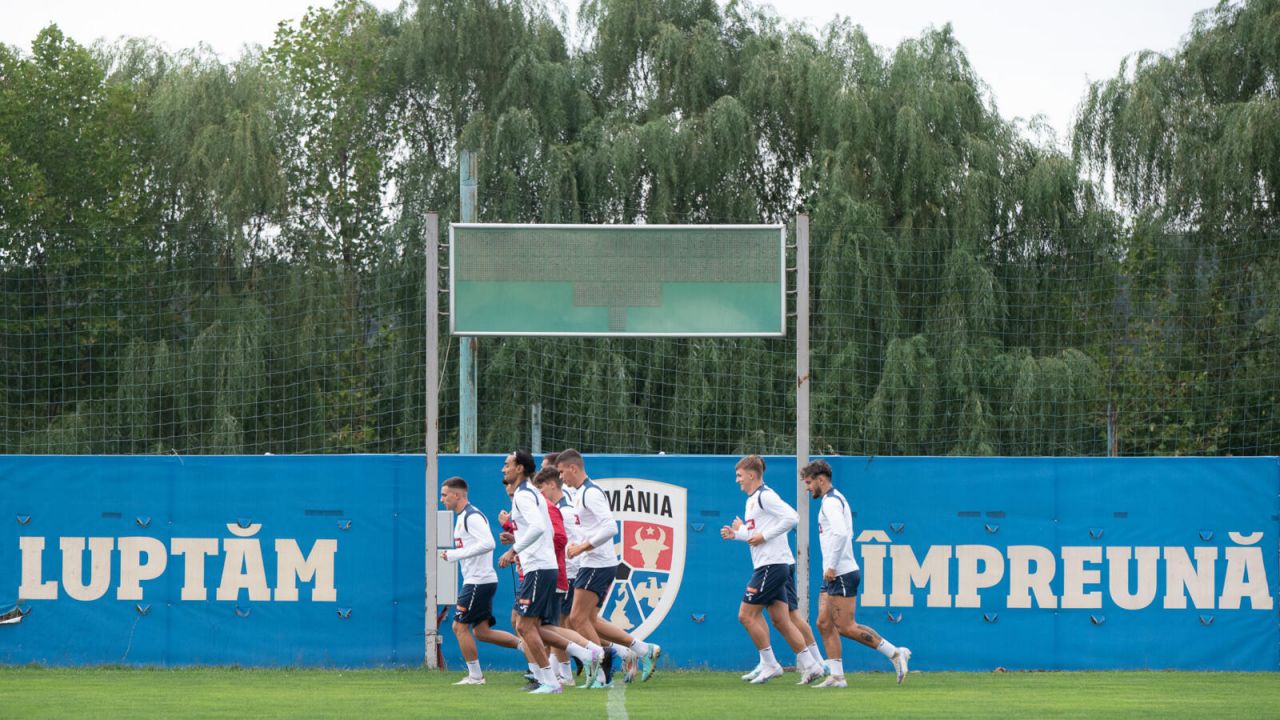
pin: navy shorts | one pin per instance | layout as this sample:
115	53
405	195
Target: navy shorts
597	580
475	604
566	601
537	596
770	584
554	617
793	597
845	585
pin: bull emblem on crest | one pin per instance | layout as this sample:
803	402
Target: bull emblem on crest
650	548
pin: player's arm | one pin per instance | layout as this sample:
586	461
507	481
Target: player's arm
787	517
837	527
835	535
534	518
451	554
730	532
737	531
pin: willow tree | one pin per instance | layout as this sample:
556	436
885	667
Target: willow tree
683	111
337	124
970	293
938	232
1190	141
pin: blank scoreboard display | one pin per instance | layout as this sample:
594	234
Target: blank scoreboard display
611	280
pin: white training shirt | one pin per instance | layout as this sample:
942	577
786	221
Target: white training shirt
535	541
570	515
835	533
769	515
473	547
594	520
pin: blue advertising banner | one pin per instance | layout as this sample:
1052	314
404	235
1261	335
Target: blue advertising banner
974	563
213	560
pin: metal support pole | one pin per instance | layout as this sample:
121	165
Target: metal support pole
432	381
802	409
535	431
467	346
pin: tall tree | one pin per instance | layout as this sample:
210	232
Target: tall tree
1190	142
215	256
73	191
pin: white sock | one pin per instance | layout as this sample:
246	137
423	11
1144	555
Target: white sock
566	672
886	648
576	650
623	654
813	653
533	668
766	657
639	647
547	676
836	666
473	669
804	660
594	647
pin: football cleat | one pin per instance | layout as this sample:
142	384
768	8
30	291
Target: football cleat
593	667
606	666
547	690
832	681
649	662
468	680
808	676
900	659
754	672
767	674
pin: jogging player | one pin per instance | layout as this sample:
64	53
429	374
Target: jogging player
536	601
837	602
594	521
473	550
772	583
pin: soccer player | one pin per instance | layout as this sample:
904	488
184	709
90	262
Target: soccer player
566	642
593	519
512	475
473	550
533	546
837	602
772	583
549	460
564	502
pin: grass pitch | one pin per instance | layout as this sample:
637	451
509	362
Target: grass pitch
33	692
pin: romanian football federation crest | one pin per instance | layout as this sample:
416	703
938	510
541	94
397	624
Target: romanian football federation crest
652	526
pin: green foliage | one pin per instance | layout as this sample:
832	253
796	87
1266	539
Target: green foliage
211	257
1191	144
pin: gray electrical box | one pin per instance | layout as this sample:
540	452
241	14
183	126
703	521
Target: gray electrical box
446	572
